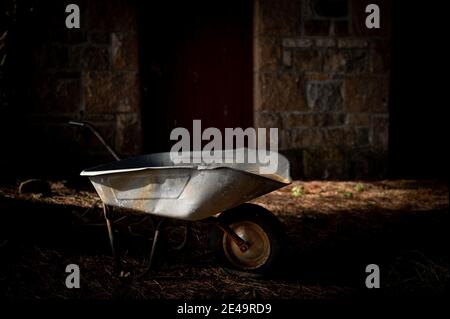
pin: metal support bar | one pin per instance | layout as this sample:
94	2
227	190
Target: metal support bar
109	225
187	236
154	243
241	243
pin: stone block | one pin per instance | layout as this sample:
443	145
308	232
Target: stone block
367	94
325	42
368	162
324	96
346	60
352	43
297	43
291	120
108	92
89	58
380	131
362	136
268	53
329	119
317	76
269	119
295	120
325	163
307	60
340	136
287	58
313	164
280	92
279	17
124	51
359	163
308	137
98	88
335	170
284	139
358	119
128	92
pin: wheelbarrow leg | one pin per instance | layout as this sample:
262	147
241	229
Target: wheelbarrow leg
158	228
155	241
109	225
186	238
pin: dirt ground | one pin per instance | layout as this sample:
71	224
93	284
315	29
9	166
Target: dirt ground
335	229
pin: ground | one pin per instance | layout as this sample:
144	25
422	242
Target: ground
335	229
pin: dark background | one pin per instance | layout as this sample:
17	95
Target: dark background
418	107
418	100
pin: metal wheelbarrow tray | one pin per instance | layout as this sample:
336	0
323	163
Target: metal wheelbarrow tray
156	185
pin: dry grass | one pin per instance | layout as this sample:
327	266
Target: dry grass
331	197
335	229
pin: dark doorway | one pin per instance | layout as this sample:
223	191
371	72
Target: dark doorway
197	63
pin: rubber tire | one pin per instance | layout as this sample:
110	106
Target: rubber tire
268	222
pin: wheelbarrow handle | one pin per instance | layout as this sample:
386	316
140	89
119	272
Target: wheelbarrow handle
76	123
98	135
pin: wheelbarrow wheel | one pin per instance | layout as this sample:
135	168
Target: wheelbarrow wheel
264	235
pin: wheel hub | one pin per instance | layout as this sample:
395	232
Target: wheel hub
255	253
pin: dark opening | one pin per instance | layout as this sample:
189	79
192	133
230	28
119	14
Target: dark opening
330	8
418	135
196	63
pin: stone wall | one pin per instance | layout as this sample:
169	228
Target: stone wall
88	74
322	78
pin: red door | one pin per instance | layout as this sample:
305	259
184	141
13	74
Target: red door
197	64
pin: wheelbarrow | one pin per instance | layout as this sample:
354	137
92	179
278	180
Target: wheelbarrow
251	239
